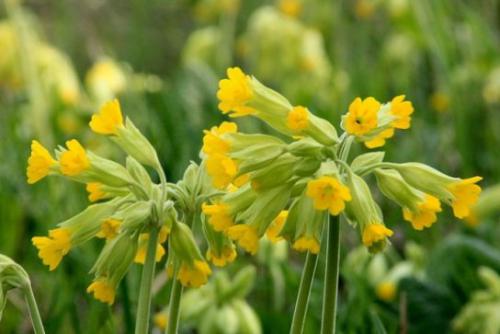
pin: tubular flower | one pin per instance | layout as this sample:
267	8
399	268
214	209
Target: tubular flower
222	169
212	141
95	191
219	216
375	234
74	160
39	162
306	243
425	215
246	235
328	193
108	119
362	116
386	291
465	195
297	119
109	229
103	290
140	256
53	248
234	92
402	110
194	275
228	254
276	226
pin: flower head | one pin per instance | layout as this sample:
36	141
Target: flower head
219	216
226	256
109	229
297	119
53	248
39	162
74	160
246	235
425	215
95	191
194	275
465	195
234	92
103	290
402	110
328	193
362	116
306	243
276	226
374	236
108	119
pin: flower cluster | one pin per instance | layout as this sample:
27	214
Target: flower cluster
287	188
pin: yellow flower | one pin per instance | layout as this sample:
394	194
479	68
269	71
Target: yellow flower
328	193
140	256
290	7
219	216
95	191
465	195
227	256
306	243
402	110
194	275
109	229
379	140
108	119
386	291
53	248
246	235
375	233
276	226
212	141
222	169
297	119
241	180
103	290
425	216
234	93
74	160
440	101
362	116
39	162
161	320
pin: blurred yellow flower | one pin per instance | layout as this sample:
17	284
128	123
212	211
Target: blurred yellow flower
297	119
374	233
39	162
234	93
228	254
222	169
362	116
219	217
246	235
108	119
160	320
276	226
194	275
328	193
290	7
425	215
53	248
74	160
102	290
140	256
109	229
95	191
306	243
439	101
386	291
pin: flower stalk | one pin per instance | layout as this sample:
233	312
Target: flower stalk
36	320
174	307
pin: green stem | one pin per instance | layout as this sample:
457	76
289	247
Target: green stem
36	320
331	277
174	308
144	307
299	314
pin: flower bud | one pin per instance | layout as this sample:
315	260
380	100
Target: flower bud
275	173
140	175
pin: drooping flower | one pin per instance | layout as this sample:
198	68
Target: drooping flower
362	116
425	215
246	235
276	226
194	275
386	291
297	119
161	320
140	256
222	169
465	194
53	248
39	162
328	193
109	229
219	216
108	119
212	141
95	191
234	92
102	290
402	110
74	160
226	256
307	243
374	234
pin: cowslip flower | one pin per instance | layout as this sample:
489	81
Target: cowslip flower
108	119
103	290
74	160
212	141
53	248
246	236
297	119
328	193
276	226
386	291
465	194
219	216
222	169
109	229
307	243
227	255
234	92
375	234
95	191
140	256
425	213
39	163
194	274
401	110
362	116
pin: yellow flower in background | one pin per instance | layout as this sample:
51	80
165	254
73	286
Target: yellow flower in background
219	217
379	140
402	110
362	116
106	79
291	8
39	162
297	119
109	229
386	291
140	256
439	101
74	160
194	275
234	92
161	320
425	216
364	9
212	141
246	235
228	254
103	290
374	233
276	226
306	243
108	119
95	191
466	193
221	169
53	248
328	193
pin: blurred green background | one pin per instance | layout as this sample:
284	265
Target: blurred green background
60	60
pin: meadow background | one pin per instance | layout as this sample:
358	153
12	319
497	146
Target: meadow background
60	60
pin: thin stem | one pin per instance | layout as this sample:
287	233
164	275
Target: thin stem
299	314
331	277
174	308
144	307
36	320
